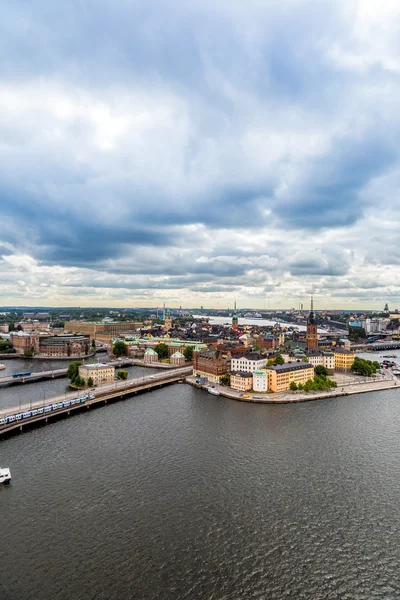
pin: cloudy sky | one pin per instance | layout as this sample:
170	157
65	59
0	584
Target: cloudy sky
197	152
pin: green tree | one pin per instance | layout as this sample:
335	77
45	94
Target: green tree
86	348
188	353
279	360
270	362
306	359
122	374
93	344
321	371
90	382
69	350
73	370
364	367
29	351
225	380
162	350
120	349
293	386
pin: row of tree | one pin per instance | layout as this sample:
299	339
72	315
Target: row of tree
367	368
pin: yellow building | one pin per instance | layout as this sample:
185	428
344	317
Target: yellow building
343	359
111	327
99	373
280	376
241	381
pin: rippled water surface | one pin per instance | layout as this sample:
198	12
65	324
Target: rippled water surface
176	495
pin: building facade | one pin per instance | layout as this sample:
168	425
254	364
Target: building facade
177	359
211	364
241	381
260	381
150	355
343	359
248	363
281	376
99	373
91	329
50	345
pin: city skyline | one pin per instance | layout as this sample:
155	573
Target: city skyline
187	154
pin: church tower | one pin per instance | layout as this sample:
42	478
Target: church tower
312	334
167	321
235	320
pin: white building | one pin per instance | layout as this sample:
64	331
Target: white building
99	373
325	359
260	381
248	363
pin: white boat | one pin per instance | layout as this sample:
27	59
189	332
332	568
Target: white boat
5	475
213	391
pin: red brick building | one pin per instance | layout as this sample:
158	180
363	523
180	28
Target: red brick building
211	365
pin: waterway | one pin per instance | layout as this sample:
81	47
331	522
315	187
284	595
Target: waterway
249	322
16	395
178	495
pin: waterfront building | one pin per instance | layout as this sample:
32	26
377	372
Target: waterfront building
343	359
248	362
99	373
312	331
177	359
281	376
241	381
150	355
260	381
329	362
211	364
63	345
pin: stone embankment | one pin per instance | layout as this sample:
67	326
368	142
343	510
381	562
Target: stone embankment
295	397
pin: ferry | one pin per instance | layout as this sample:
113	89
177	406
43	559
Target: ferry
213	391
5	475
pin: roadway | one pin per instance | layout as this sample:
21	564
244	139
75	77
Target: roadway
100	390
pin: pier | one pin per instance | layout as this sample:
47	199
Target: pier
36	376
107	393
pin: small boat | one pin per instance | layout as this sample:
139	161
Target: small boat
213	391
5	475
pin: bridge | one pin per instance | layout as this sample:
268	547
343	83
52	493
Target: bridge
36	376
107	393
379	346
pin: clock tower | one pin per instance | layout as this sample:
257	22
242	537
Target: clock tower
312	333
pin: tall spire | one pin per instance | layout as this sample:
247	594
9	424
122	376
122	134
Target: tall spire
235	304
312	303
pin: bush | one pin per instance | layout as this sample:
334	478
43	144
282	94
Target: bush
293	386
188	353
122	374
162	350
120	349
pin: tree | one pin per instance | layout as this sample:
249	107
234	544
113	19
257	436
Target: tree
364	367
270	362
225	380
321	371
120	349
93	344
29	351
188	353
279	360
86	348
122	374
306	359
73	370
90	382
293	386
162	350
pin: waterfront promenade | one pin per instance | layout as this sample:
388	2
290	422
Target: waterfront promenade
347	389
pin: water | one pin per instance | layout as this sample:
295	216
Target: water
177	495
259	322
16	395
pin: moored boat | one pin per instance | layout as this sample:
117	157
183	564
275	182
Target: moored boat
5	475
213	391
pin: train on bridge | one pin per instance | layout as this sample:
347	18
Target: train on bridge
17	375
44	409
